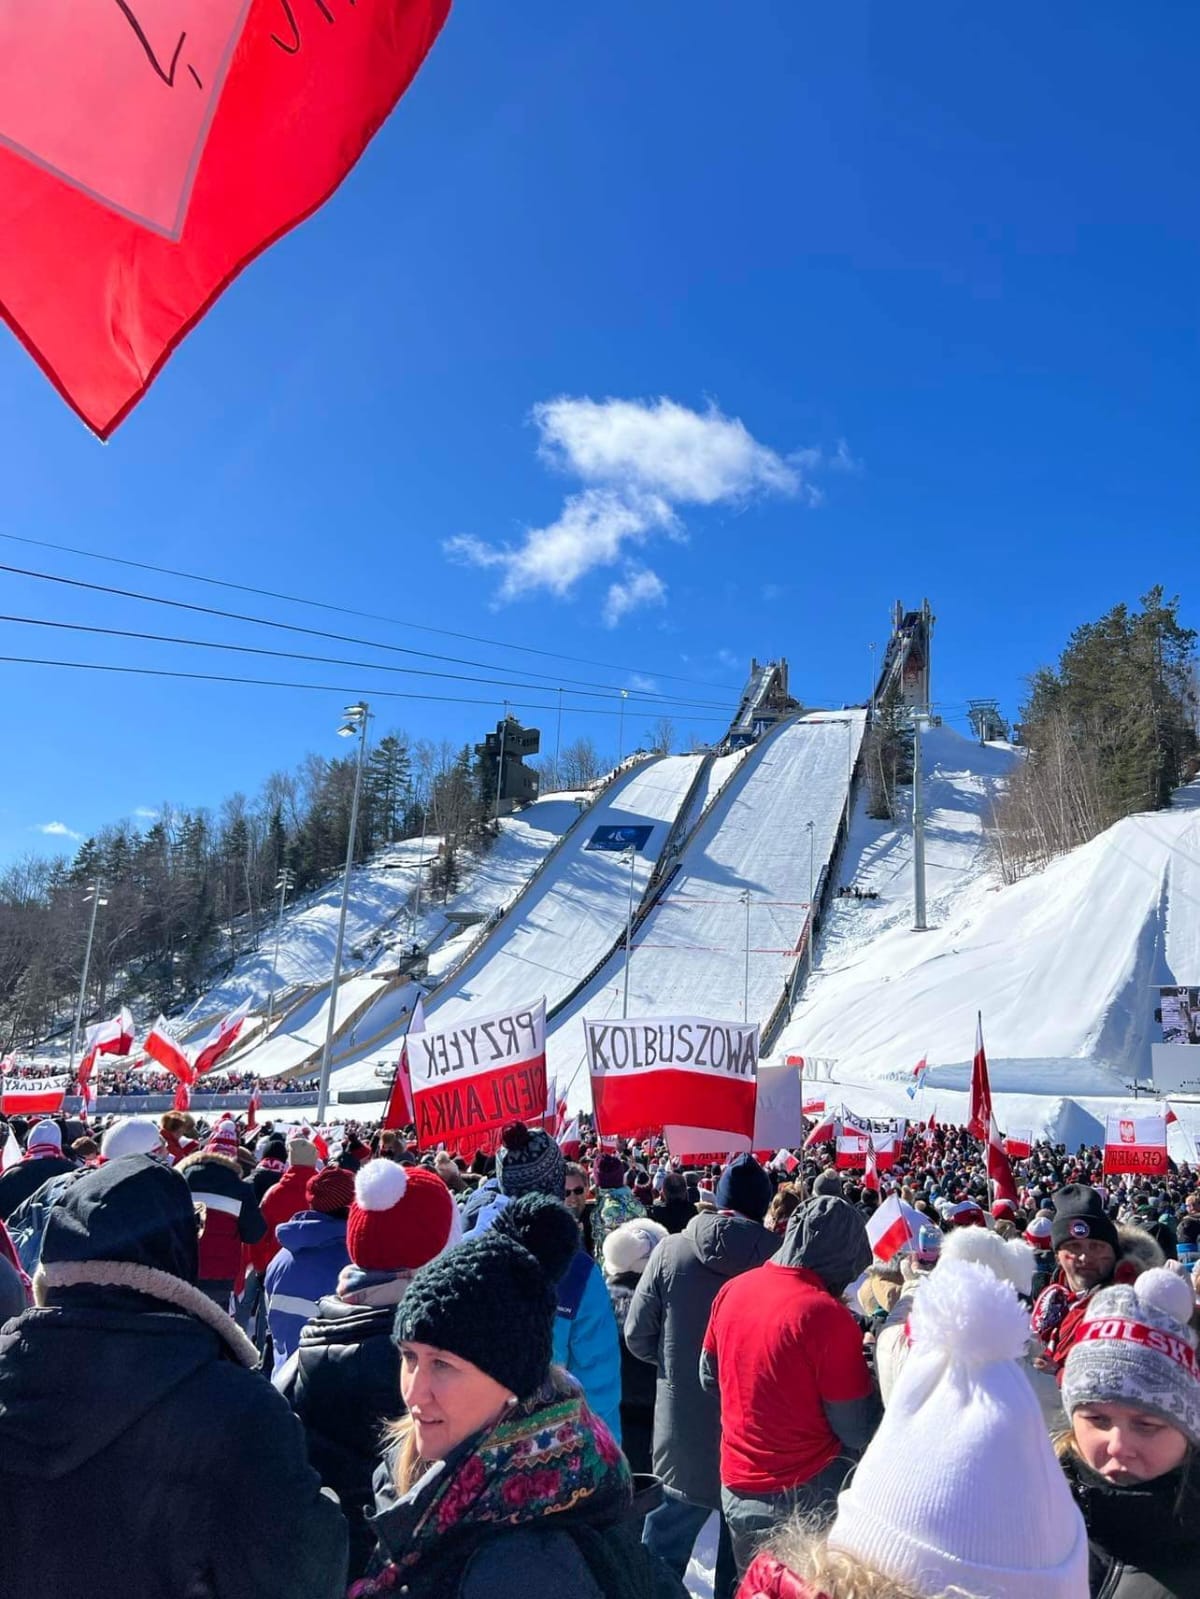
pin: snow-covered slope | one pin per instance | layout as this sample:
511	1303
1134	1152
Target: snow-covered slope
690	954
1062	964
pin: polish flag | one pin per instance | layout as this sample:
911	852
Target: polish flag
32	1096
1019	1145
183	1098
1136	1144
785	1161
152	150
569	1140
399	1112
813	1107
169	1054
550	1114
112	1037
893	1227
221	1039
825	1131
999	1170
1171	1116
871	1172
253	1108
931	1127
981	1119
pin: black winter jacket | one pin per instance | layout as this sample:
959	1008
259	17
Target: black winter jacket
638	1383
344	1384
26	1177
1144	1540
129	1439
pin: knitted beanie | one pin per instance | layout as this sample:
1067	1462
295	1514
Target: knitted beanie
402	1216
301	1152
1135	1347
528	1161
223	1140
1079	1213
492	1300
1037	1234
132	1135
607	1171
331	1191
966	1413
45	1135
745	1187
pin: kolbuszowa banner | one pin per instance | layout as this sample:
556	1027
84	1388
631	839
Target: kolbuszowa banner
473	1078
687	1074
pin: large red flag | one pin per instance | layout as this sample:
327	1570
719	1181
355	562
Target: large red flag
160	1046
980	1122
149	149
112	1037
399	1112
999	1169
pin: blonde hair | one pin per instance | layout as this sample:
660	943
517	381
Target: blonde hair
802	1546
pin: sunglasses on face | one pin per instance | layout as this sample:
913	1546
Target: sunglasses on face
575	1191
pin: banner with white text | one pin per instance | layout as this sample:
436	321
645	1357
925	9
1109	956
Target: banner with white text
685	1071
470	1079
1135	1144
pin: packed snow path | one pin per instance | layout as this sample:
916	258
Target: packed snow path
690	953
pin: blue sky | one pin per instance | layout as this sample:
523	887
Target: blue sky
890	303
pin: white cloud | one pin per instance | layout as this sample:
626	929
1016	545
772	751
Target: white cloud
56	830
145	813
638	462
640	586
641	684
728	659
661	447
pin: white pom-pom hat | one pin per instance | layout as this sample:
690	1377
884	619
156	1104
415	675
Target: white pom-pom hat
133	1135
921	1506
1009	1259
402	1216
1135	1347
629	1246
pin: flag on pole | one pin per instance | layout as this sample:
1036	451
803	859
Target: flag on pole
221	1039
980	1122
893	1227
399	1112
999	1169
569	1140
1018	1145
168	1052
550	1114
931	1127
253	1108
825	1130
183	1097
918	1082
871	1170
111	1037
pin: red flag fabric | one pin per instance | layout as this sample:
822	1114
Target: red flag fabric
171	1056
252	1108
893	1227
1135	1144
871	1170
399	1111
144	164
825	1130
688	1072
220	1040
183	1098
111	1037
999	1170
1019	1145
980	1120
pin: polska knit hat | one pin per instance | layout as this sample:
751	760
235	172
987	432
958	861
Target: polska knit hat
492	1300
223	1140
745	1187
1135	1347
401	1217
528	1161
965	1410
1079	1213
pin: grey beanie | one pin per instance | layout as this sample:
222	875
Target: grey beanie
528	1161
1135	1347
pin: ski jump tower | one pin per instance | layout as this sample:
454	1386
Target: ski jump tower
906	664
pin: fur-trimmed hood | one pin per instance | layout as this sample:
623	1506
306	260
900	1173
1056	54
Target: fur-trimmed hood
1137	1249
209	1157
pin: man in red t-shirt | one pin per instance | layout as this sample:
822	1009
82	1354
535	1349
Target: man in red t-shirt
785	1354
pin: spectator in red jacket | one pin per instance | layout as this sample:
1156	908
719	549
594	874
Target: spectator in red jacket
797	1400
231	1214
283	1200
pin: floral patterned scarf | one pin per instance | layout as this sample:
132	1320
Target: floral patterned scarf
549	1457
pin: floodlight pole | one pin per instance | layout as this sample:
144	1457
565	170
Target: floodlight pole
356	715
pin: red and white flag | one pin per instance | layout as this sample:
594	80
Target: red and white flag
826	1129
893	1227
871	1170
931	1127
980	1121
550	1114
1018	1145
32	1096
253	1108
220	1039
168	1052
813	1107
111	1037
682	1072
183	1097
475	1077
784	1161
1135	1144
999	1170
399	1111
151	150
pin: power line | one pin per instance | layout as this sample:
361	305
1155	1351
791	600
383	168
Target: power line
294	627
632	696
345	610
321	688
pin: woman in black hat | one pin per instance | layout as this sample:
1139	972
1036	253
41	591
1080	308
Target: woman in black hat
501	1484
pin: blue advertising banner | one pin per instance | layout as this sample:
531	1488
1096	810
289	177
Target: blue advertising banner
620	838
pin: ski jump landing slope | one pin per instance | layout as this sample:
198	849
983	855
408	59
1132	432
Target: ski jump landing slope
559	928
689	954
